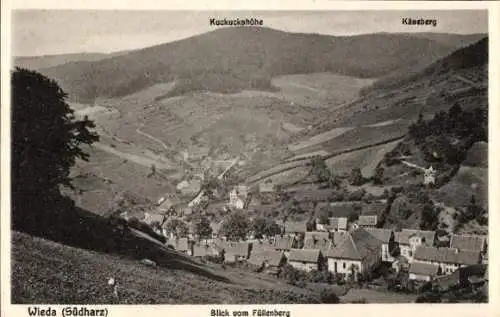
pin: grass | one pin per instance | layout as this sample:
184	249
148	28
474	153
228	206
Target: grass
367	160
51	273
377	296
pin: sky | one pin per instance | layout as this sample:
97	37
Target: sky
47	32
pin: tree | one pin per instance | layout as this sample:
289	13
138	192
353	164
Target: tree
379	175
264	227
46	142
236	226
202	227
177	227
356	178
320	169
429	217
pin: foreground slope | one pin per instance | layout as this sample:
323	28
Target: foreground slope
47	272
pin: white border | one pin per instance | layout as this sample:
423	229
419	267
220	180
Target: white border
406	310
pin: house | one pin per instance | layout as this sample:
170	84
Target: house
201	250
475	243
387	238
262	245
295	227
423	271
317	243
305	260
317	235
180	244
429	176
447	259
357	254
238	197
236	251
409	240
285	244
269	260
338	224
367	221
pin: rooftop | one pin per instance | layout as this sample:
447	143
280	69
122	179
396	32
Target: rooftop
446	255
299	255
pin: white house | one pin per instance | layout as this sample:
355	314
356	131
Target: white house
238	197
429	176
358	253
409	240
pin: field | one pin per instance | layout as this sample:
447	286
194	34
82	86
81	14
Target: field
319	90
318	139
40	274
367	159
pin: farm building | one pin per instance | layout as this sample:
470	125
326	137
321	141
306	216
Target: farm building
285	244
338	224
387	238
468	242
447	259
269	260
409	239
367	221
236	252
295	227
423	271
305	260
357	254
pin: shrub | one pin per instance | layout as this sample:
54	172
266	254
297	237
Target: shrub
328	296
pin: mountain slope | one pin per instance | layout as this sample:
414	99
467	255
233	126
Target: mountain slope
475	54
47	61
232	59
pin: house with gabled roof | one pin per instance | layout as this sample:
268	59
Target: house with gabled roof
201	250
180	244
262	245
338	224
447	259
268	260
295	227
318	244
305	260
358	253
285	244
409	240
367	220
468	242
423	271
236	251
386	236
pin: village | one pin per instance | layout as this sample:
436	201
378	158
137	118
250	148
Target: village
352	250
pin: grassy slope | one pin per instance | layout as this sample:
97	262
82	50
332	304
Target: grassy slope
49	272
231	59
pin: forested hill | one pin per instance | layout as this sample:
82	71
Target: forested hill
231	59
473	55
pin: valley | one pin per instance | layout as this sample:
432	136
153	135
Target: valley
292	131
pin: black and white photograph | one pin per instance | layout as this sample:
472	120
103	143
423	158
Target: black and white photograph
248	157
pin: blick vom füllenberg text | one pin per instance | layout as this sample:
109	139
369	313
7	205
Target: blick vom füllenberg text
419	21
235	22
